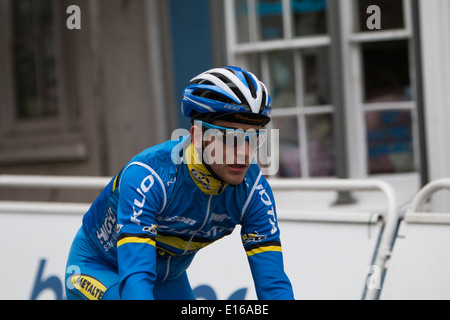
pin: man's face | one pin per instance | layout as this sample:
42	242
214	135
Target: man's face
233	160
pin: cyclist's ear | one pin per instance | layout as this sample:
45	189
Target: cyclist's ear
196	136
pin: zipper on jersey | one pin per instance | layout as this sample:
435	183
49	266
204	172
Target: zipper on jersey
192	237
204	222
220	189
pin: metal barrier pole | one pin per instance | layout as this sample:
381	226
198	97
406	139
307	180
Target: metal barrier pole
426	192
42	182
36	181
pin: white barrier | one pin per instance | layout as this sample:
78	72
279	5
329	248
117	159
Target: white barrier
36	237
420	263
329	241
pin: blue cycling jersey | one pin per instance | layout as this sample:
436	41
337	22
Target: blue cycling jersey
155	214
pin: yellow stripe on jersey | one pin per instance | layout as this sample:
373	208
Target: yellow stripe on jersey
115	183
263	249
181	244
135	240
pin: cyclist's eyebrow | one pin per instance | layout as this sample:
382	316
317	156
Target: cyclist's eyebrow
223	128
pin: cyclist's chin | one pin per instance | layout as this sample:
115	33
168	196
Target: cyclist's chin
232	174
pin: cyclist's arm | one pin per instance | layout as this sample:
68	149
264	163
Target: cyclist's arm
141	197
261	240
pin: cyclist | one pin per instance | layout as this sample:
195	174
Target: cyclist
142	232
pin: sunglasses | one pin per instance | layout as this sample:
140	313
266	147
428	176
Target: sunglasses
236	137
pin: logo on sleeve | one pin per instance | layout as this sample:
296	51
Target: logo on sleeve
266	200
139	202
252	237
150	229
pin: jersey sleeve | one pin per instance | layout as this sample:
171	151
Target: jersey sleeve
261	240
141	197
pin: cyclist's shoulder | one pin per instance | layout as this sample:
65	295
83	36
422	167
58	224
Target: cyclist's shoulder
159	152
158	159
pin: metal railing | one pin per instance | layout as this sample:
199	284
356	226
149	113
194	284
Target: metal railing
413	215
419	265
427	191
36	181
45	182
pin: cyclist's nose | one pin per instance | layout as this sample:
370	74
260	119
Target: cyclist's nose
242	152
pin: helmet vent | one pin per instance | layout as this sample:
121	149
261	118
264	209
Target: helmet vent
250	84
209	94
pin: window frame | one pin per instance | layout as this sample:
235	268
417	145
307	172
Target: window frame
351	44
356	108
236	55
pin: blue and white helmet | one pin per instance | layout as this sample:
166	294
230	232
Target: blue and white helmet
228	93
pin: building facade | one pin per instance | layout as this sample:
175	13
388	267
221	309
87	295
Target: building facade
359	87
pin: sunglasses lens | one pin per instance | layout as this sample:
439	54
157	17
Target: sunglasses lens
236	137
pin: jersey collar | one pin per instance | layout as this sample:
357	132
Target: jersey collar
201	176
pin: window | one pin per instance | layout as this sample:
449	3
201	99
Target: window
302	111
269	15
382	60
309	17
39	117
34	59
392	16
287	44
389	131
